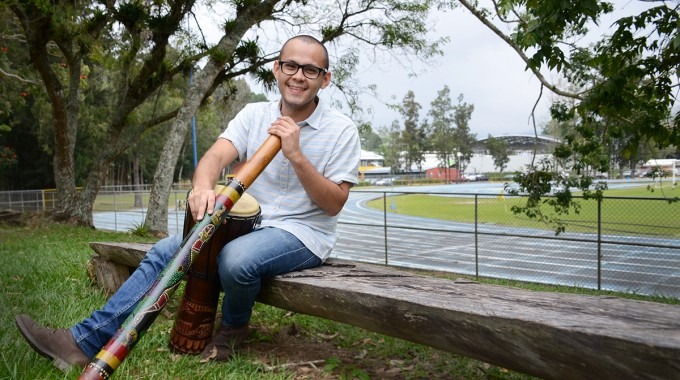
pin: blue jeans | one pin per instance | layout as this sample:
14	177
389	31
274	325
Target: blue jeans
242	264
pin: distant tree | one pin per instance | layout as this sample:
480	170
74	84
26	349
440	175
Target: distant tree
254	98
498	149
370	140
464	139
24	163
412	135
441	128
391	146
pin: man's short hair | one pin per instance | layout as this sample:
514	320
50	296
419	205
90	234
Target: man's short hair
310	40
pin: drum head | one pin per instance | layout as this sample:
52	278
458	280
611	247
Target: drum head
246	206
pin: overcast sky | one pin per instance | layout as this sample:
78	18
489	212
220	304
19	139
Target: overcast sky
477	64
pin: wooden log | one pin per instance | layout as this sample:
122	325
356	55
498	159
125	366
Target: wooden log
112	263
11	217
549	335
129	254
107	274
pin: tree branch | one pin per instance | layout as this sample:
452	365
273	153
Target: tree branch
480	16
3	72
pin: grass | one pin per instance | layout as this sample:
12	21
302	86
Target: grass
129	200
639	217
43	275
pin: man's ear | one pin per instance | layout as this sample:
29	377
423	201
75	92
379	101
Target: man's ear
276	69
326	80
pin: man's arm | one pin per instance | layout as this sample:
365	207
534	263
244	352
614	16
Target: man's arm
326	194
202	197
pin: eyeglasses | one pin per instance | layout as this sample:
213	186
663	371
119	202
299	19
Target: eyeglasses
309	71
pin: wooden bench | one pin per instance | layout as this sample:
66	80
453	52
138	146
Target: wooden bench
545	334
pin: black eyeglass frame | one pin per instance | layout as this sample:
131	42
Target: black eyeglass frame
319	70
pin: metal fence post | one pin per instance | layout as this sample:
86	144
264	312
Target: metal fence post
115	211
385	223
599	243
177	210
476	237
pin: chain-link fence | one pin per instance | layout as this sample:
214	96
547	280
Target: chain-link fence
619	243
116	208
119	209
28	200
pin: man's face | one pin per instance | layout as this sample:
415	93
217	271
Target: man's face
297	91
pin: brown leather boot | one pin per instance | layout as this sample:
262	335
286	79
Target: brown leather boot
224	343
56	344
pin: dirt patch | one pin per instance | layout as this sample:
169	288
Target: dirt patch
319	357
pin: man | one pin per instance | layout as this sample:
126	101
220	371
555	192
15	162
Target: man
300	193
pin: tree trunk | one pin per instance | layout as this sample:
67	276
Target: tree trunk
136	177
65	111
157	215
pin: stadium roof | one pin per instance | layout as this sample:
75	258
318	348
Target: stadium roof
367	155
522	142
524	139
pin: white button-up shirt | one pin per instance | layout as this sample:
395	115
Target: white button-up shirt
329	140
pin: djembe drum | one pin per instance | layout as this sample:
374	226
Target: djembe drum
195	318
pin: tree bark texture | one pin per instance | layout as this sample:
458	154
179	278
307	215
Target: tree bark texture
549	335
39	31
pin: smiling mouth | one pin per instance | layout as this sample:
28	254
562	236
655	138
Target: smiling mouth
296	88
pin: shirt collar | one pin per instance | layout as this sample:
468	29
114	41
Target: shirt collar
314	120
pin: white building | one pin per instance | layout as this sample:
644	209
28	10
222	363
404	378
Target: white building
521	155
372	164
670	167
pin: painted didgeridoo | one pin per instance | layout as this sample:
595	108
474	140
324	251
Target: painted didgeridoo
119	346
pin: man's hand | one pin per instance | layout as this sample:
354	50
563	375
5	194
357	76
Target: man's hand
201	201
202	196
326	194
289	132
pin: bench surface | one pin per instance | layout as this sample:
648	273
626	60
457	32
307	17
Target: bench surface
545	334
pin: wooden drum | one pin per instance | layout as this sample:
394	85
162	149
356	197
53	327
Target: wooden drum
195	318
